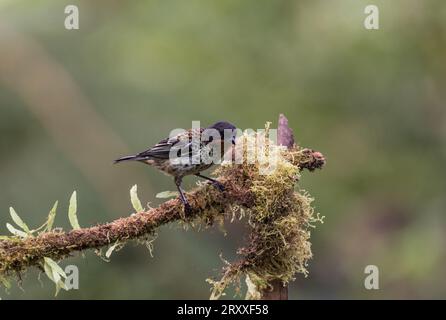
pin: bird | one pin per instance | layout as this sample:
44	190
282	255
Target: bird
188	153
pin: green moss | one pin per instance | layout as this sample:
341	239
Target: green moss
279	220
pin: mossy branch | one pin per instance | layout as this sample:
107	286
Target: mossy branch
244	192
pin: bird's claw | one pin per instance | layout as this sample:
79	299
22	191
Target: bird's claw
187	209
218	185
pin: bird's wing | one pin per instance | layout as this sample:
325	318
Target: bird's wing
162	150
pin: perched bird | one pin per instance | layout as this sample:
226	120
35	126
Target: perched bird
188	153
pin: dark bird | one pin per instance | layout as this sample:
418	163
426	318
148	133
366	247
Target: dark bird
189	153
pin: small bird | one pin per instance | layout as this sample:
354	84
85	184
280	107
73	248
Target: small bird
188	153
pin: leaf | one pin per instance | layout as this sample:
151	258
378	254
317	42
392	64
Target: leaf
16	232
111	249
18	221
51	217
60	285
54	277
5	282
55	273
72	209
167	194
53	264
48	271
135	200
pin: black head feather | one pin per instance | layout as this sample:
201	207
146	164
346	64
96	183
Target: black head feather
221	126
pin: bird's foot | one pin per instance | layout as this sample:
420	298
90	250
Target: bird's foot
218	185
187	209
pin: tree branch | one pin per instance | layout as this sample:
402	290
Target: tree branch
17	254
285	137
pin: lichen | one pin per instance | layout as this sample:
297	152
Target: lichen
280	220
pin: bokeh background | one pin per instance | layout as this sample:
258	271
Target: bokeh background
371	101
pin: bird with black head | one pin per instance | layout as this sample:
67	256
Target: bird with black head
189	153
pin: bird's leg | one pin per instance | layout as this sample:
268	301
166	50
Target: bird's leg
187	207
215	183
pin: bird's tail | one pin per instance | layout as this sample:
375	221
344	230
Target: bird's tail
128	158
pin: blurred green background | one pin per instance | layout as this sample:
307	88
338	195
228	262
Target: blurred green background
371	101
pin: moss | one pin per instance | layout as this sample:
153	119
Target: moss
279	219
